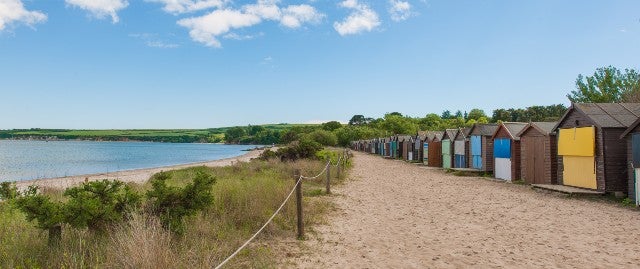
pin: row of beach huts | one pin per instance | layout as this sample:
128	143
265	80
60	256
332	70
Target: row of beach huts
594	146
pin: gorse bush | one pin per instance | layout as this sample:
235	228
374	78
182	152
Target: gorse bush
173	204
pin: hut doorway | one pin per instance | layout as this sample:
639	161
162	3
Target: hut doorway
535	170
577	147
476	151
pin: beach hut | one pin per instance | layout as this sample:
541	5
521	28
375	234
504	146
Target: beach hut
538	153
460	148
435	149
418	146
425	147
591	154
404	148
447	147
481	146
506	150
632	136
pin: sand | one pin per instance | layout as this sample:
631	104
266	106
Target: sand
139	176
392	214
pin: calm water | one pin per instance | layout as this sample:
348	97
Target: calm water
22	160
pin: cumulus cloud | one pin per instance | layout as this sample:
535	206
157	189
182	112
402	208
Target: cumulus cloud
101	8
362	18
295	15
400	10
185	6
13	11
207	28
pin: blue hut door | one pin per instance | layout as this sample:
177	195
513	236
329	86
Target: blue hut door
425	153
502	155
476	152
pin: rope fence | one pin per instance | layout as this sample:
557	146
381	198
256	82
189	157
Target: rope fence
297	188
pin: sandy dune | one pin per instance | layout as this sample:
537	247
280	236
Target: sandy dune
398	215
137	176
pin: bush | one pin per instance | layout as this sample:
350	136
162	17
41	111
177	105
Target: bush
48	214
323	137
8	191
267	155
99	204
303	149
173	204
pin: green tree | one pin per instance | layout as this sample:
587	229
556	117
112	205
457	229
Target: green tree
607	85
399	125
431	122
331	125
255	129
48	214
446	115
233	135
358	120
476	113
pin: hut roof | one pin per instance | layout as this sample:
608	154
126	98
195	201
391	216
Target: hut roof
485	129
451	133
462	133
438	135
545	128
606	115
513	128
630	129
422	135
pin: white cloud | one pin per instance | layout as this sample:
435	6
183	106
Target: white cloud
185	6
101	8
361	19
13	11
206	29
152	40
400	10
295	15
235	36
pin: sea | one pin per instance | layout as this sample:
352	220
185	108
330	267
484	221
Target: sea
29	159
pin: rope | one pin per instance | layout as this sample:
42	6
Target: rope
323	170
261	228
338	162
274	214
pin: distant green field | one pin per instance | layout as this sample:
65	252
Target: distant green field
157	135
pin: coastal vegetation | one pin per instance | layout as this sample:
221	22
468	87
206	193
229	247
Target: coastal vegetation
192	217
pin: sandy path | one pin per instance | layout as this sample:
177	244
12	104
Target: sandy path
398	215
137	176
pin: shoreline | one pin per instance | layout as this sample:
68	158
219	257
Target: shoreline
139	176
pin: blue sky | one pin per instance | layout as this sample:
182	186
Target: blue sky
211	63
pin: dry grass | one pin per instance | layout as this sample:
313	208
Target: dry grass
246	194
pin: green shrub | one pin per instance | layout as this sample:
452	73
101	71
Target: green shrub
323	137
98	205
48	214
8	191
303	149
173	204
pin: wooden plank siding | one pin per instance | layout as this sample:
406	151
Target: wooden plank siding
544	148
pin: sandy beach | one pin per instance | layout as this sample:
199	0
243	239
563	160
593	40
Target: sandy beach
137	176
392	214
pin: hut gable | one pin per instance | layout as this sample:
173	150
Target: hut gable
450	134
538	129
438	136
509	130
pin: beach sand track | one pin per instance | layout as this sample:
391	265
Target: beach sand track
393	214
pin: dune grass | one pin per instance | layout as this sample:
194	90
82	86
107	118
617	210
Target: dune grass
246	194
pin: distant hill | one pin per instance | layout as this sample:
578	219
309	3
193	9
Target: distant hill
211	135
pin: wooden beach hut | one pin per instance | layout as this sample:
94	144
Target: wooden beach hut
435	150
425	147
447	147
418	146
481	146
538	153
506	150
460	148
632	137
591	154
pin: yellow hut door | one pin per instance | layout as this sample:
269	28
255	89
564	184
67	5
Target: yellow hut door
577	148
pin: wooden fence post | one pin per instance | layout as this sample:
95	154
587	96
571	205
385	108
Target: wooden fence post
296	177
339	168
328	181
